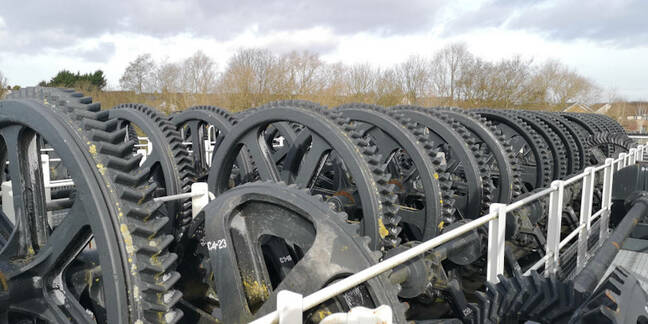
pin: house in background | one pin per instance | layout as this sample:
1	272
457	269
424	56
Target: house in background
631	115
578	107
599	108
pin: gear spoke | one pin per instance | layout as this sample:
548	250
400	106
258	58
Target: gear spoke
258	149
312	162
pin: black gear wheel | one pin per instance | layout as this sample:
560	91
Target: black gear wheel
535	161
325	132
194	124
553	142
583	122
169	161
281	234
283	132
600	146
527	298
606	123
471	194
579	138
520	299
135	273
568	143
423	206
614	124
497	154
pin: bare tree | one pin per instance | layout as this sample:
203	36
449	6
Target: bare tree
389	88
561	85
447	67
199	73
168	77
334	91
361	82
510	82
139	75
415	77
305	75
250	78
4	86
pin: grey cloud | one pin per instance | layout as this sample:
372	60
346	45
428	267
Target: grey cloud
74	19
318	46
100	53
618	22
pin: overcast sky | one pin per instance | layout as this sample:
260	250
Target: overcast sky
606	40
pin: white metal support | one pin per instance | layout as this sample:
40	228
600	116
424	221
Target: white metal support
622	162
209	151
7	201
200	199
209	148
587	194
289	307
606	203
552	263
632	156
496	243
142	152
199	195
361	315
45	167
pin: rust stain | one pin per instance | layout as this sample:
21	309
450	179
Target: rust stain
616	245
3	282
346	195
397	183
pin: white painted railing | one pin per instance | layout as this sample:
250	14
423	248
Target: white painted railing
496	219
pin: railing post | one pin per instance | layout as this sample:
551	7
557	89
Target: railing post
496	243
142	152
209	151
622	162
7	201
587	193
553	227
45	168
606	201
201	199
632	156
209	148
290	307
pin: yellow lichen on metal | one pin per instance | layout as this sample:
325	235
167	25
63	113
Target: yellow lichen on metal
128	239
93	149
101	168
321	314
255	291
382	230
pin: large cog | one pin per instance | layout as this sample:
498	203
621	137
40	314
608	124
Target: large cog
281	235
395	137
368	198
112	206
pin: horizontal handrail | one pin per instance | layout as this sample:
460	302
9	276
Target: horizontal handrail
347	283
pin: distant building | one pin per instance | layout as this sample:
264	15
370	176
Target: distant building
578	107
